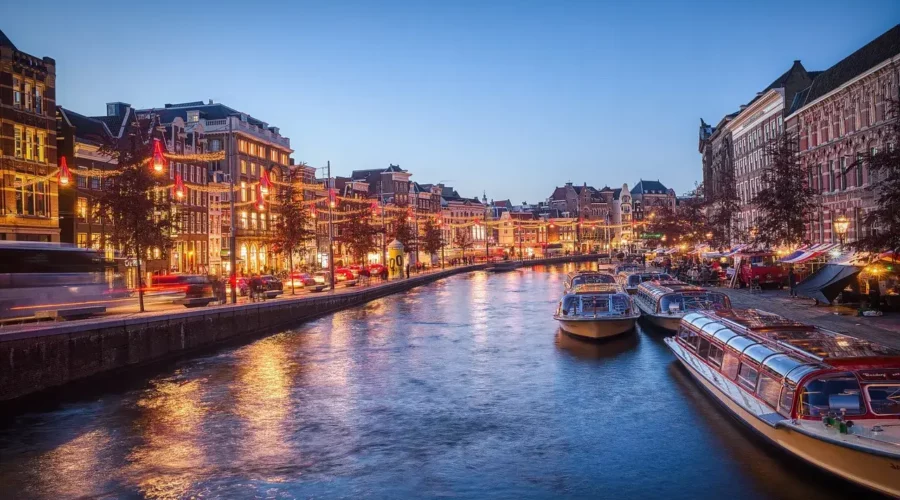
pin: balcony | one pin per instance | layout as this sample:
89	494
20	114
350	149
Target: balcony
211	126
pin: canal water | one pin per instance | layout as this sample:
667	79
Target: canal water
463	388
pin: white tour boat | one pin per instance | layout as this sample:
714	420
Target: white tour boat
664	303
588	278
631	280
596	311
830	399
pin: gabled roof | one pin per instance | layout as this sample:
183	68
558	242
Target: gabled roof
86	128
870	55
616	193
558	194
6	42
114	123
503	203
649	187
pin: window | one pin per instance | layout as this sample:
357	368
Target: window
819	173
19	139
81	209
253	220
787	399
95	241
193	116
242	146
747	376
715	355
859	167
29	143
243	220
252	149
39	99
769	389
703	350
884	399
81	240
840	393
284	159
843	166
252	168
32	196
18	99
244	167
215	145
29	96
831	184
39	147
273	155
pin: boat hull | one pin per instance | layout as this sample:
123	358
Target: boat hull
871	470
597	328
665	322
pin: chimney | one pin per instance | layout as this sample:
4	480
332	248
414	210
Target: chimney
210	101
117	108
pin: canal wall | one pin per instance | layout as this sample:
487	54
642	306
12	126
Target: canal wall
55	354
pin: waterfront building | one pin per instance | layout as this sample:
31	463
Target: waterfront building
29	209
840	116
254	151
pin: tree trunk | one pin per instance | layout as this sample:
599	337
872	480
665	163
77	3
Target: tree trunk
139	278
291	270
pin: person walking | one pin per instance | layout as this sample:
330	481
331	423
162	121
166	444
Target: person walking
792	281
407	270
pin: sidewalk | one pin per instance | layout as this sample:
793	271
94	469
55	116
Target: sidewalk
883	329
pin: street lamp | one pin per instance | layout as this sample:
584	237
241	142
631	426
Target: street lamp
841	224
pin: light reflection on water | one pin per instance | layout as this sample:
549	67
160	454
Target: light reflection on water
463	388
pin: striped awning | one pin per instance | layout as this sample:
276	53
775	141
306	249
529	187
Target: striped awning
809	253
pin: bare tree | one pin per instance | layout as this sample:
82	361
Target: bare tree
135	201
431	237
787	198
463	240
294	226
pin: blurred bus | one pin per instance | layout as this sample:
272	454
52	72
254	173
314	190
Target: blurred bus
37	277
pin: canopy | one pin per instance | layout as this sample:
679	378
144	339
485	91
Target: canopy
828	282
736	249
810	253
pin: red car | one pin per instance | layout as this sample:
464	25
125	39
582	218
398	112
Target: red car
301	280
343	274
376	269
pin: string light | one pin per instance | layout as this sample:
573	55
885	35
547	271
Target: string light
64	176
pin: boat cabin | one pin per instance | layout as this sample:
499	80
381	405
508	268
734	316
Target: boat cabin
633	279
798	370
588	278
627	268
675	297
592	300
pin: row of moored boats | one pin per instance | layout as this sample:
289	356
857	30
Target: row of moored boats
830	399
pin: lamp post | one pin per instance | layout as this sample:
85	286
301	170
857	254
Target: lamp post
841	224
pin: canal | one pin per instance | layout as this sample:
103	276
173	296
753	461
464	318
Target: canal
462	388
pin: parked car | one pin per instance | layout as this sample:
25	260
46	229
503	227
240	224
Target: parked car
190	290
300	280
272	284
243	286
376	269
344	274
322	277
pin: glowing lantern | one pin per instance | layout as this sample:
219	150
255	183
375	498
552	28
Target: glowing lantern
158	161
64	175
179	187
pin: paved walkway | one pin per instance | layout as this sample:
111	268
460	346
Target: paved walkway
883	329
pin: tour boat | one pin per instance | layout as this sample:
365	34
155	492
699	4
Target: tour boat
596	311
505	266
587	278
631	280
830	399
630	267
664	303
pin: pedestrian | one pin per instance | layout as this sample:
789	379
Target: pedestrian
874	295
792	281
407	270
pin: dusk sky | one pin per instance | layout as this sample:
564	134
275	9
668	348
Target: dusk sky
512	98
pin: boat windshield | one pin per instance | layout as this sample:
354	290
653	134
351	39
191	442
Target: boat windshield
884	398
594	304
694	301
637	279
838	394
587	279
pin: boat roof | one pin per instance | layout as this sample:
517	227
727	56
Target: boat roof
596	288
671	286
787	336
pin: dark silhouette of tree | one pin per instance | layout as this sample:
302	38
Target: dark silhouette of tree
786	199
294	226
359	237
687	223
402	231
135	201
723	206
431	237
884	170
462	239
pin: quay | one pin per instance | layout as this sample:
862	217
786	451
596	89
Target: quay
47	355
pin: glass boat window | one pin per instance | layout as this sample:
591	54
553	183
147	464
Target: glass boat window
715	355
787	398
703	350
690	337
730	364
747	376
884	399
595	304
835	393
694	301
586	279
769	388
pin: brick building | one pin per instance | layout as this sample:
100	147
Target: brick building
841	115
29	208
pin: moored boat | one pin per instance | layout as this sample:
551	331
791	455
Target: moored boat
829	399
505	266
596	311
588	278
664	303
631	280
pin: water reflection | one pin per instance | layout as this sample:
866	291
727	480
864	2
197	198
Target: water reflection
607	348
463	388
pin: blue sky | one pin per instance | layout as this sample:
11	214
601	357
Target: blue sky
512	98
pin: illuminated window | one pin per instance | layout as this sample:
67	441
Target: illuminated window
29	143
243	166
253	169
81	208
252	149
29	97
81	240
19	138
17	92
39	147
39	99
95	241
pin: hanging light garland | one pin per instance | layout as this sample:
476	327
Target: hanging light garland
157	160
64	175
179	187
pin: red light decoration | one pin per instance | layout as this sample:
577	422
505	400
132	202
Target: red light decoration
179	187
64	175
264	182
158	160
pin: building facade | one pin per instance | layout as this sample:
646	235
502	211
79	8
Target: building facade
839	117
29	208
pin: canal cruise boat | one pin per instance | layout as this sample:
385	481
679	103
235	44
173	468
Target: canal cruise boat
587	278
631	280
830	399
596	311
664	303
